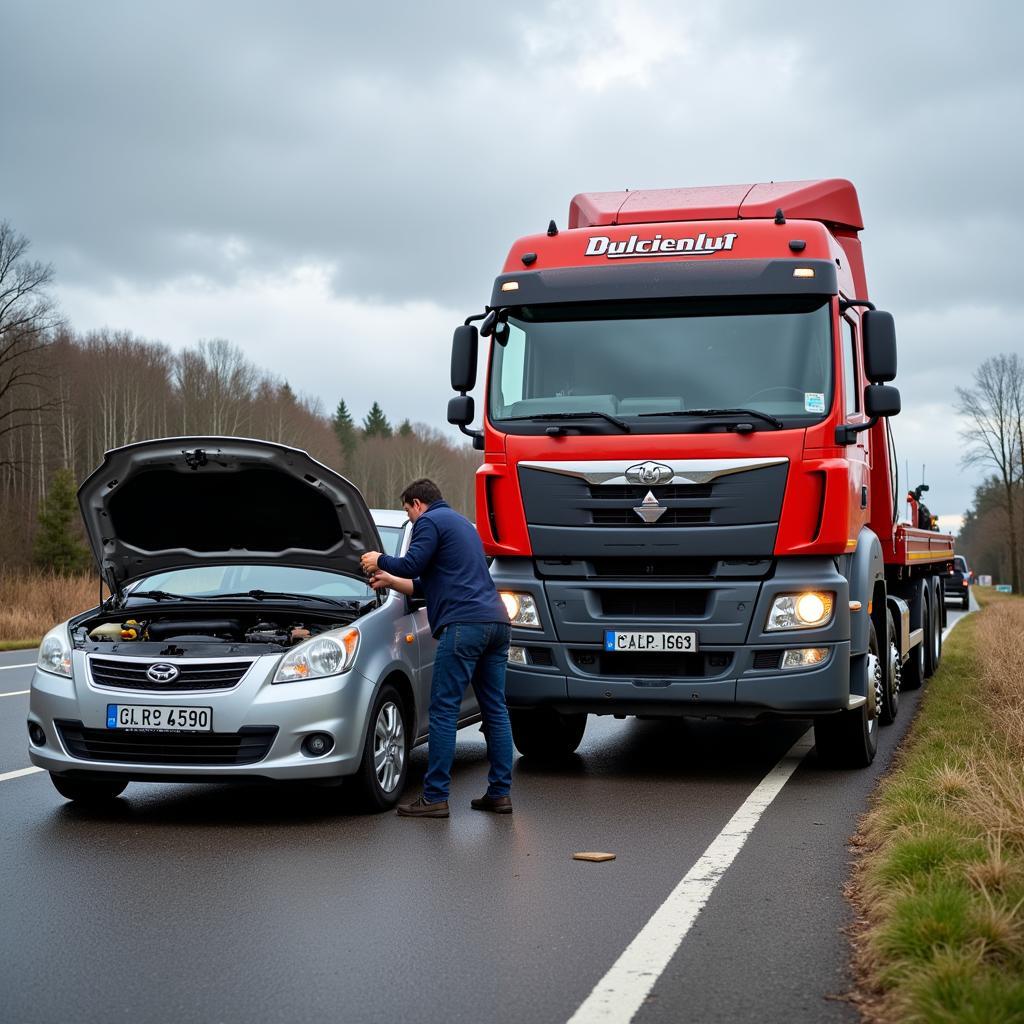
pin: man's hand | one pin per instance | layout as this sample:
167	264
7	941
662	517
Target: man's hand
384	580
369	561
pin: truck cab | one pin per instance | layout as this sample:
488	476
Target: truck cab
687	488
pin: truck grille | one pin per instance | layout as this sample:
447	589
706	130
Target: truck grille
652	603
671	517
246	746
131	675
675	492
682	666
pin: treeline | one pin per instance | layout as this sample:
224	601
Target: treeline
993	411
67	397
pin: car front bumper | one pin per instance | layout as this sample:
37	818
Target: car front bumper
337	705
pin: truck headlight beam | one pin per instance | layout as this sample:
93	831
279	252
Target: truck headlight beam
808	610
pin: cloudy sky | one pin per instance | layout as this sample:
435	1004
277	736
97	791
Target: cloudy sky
333	186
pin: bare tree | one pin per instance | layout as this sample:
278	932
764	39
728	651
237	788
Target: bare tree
28	316
994	434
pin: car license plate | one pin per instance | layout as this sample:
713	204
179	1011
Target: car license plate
159	717
673	643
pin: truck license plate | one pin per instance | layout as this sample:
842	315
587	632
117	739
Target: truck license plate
159	718
675	643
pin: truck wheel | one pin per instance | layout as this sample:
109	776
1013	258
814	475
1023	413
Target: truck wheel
893	672
849	739
913	668
380	779
87	791
546	734
932	634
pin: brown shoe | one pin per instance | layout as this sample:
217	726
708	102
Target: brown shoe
494	804
419	808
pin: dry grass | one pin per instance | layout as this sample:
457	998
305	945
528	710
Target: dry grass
939	883
33	602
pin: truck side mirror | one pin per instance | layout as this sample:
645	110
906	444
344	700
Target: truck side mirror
464	348
881	400
879	346
461	410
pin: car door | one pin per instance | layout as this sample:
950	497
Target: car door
414	623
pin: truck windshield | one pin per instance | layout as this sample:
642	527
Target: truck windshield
635	360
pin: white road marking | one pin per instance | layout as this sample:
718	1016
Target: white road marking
24	664
15	693
7	776
622	991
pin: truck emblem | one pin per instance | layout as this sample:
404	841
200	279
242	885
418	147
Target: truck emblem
649	510
162	673
649	473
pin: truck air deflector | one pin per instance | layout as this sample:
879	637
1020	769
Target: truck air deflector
664	279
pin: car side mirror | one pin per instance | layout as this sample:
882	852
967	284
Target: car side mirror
879	331
464	349
881	400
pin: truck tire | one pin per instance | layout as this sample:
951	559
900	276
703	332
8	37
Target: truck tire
892	668
545	734
849	739
88	791
933	632
913	667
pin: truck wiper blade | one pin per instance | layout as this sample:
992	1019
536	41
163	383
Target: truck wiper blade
278	595
621	424
704	413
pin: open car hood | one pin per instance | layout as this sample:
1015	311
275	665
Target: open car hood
186	501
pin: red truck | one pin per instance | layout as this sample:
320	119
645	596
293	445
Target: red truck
689	486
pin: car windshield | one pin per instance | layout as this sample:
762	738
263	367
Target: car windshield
636	361
210	580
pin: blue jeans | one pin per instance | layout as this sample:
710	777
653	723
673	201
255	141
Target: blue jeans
469	654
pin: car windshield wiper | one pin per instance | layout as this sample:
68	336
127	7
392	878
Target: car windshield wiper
278	595
159	595
705	413
621	424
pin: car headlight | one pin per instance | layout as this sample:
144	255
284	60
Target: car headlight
521	608
326	655
801	611
55	652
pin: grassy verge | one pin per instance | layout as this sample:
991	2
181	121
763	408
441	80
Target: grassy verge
939	880
32	603
20	645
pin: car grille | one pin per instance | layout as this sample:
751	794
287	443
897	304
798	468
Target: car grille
196	675
124	746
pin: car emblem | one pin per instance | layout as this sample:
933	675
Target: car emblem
649	510
162	673
649	473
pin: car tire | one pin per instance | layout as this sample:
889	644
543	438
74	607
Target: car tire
892	668
966	602
380	779
88	791
545	734
849	739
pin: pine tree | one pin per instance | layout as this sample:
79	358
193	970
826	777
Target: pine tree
57	547
345	429
376	423
405	429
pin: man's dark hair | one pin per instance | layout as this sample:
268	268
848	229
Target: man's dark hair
422	490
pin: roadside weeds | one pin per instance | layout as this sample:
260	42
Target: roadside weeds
33	602
938	884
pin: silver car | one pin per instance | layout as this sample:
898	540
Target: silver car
241	640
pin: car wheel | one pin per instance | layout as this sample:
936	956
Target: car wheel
849	739
893	672
966	603
88	791
545	734
382	771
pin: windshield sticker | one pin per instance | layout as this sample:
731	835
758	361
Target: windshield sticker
814	401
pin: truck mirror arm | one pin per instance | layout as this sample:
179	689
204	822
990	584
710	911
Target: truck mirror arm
847	432
845	304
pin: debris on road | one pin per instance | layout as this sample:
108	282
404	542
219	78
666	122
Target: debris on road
597	858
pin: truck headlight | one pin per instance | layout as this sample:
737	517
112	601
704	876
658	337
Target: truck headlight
326	655
55	652
801	611
521	608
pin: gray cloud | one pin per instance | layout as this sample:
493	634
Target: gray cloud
149	144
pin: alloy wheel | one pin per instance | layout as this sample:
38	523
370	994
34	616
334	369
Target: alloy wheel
389	746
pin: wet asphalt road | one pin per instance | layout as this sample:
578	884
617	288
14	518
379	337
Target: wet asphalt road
219	904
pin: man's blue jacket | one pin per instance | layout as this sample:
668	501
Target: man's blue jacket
446	560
